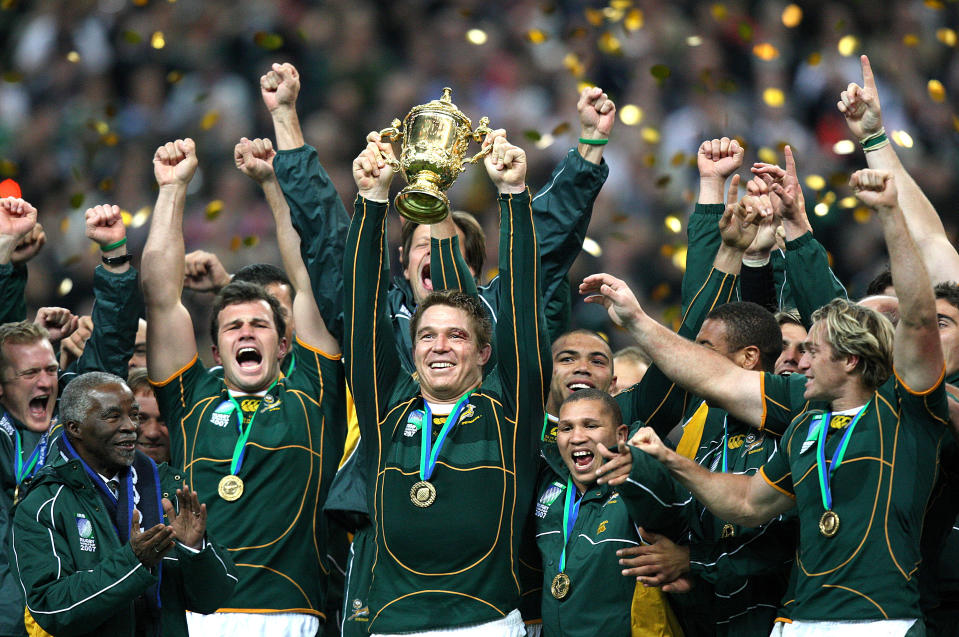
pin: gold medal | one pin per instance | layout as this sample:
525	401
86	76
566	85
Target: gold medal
829	523
230	488
423	494
560	586
16	494
728	531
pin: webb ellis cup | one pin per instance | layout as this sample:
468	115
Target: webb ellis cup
434	139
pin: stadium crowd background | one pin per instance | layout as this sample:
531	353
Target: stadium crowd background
89	88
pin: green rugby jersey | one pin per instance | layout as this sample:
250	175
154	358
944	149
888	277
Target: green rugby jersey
456	561
275	531
867	570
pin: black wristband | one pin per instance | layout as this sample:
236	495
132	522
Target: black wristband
115	261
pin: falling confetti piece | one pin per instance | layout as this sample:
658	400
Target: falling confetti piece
251	240
814	59
536	36
268	41
592	248
213	209
209	120
100	127
106	185
8	168
545	141
678	159
573	64
630	114
76	199
140	3
767	155
694	40
649	159
110	139
660	292
650	135
792	16
634	20
594	17
902	138
910	39
829	198
848	45
64	225
582	86
946	36
140	217
934	4
848	202
679	258
816	182
7	4
765	51
174	76
862	214
719	12
12	77
937	92
774	97
844	147
673	224
955	123
745	31
821	209
613	14
65	287
533	135
660	72
235	243
126	217
609	44
93	249
663	181
73	57
476	36
157	41
562	129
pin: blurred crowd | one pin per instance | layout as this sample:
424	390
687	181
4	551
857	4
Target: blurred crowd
90	87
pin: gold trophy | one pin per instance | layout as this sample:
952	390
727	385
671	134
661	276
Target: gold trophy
434	140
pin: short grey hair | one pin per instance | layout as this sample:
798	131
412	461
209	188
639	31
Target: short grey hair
76	400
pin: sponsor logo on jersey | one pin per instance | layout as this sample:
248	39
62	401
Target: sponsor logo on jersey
413	423
85	530
549	497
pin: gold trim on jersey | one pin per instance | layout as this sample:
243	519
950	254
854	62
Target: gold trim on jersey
316	350
281	574
385	606
852	590
176	374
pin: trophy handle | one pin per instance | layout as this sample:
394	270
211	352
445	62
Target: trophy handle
481	131
388	135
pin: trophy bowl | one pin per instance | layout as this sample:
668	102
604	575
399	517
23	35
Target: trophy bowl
434	139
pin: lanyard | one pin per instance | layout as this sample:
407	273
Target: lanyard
429	453
26	469
824	478
570	513
725	446
239	451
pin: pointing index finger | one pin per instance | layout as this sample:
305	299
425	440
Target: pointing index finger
868	79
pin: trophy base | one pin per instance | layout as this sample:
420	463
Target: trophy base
422	205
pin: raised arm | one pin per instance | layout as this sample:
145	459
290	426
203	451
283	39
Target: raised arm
860	106
255	160
18	221
696	368
917	355
316	210
171	344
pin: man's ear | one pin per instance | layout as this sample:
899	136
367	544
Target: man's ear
850	363
612	386
73	428
282	348
622	432
750	357
485	352
216	355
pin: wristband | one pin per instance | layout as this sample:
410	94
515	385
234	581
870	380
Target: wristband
877	138
113	246
593	142
755	263
875	144
117	261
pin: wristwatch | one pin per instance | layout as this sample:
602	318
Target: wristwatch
115	261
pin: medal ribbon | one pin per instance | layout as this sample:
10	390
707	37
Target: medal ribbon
429	452
239	451
26	469
824	479
725	446
570	513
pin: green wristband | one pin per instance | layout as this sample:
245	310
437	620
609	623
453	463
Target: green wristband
114	246
593	142
880	140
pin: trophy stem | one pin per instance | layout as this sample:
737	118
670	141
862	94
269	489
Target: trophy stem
422	201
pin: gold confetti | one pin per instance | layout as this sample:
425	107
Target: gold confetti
65	287
848	202
650	135
101	127
821	209
667	250
774	97
765	51
106	184
767	155
157	41
210	119
126	217
110	139
634	20
934	4
93	249
937	92
235	243
902	138
955	123
174	76
630	114
251	240
574	65
848	45
7	4
213	209
140	217
719	12
844	147
678	159
613	14
268	41
477	37
816	182
660	292
660	72
609	44
64	225
76	199
910	39
592	248
694	40
582	86
536	36
862	214
12	77
621	5
946	36
673	224
679	258
814	59
73	57
545	141
140	3
829	198
792	16
594	17
561	129
649	159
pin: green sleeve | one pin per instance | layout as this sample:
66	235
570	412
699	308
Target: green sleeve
655	500
811	281
656	400
784	296
65	601
13	282
372	364
318	215
782	401
524	364
117	308
562	210
765	550
703	242
448	268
